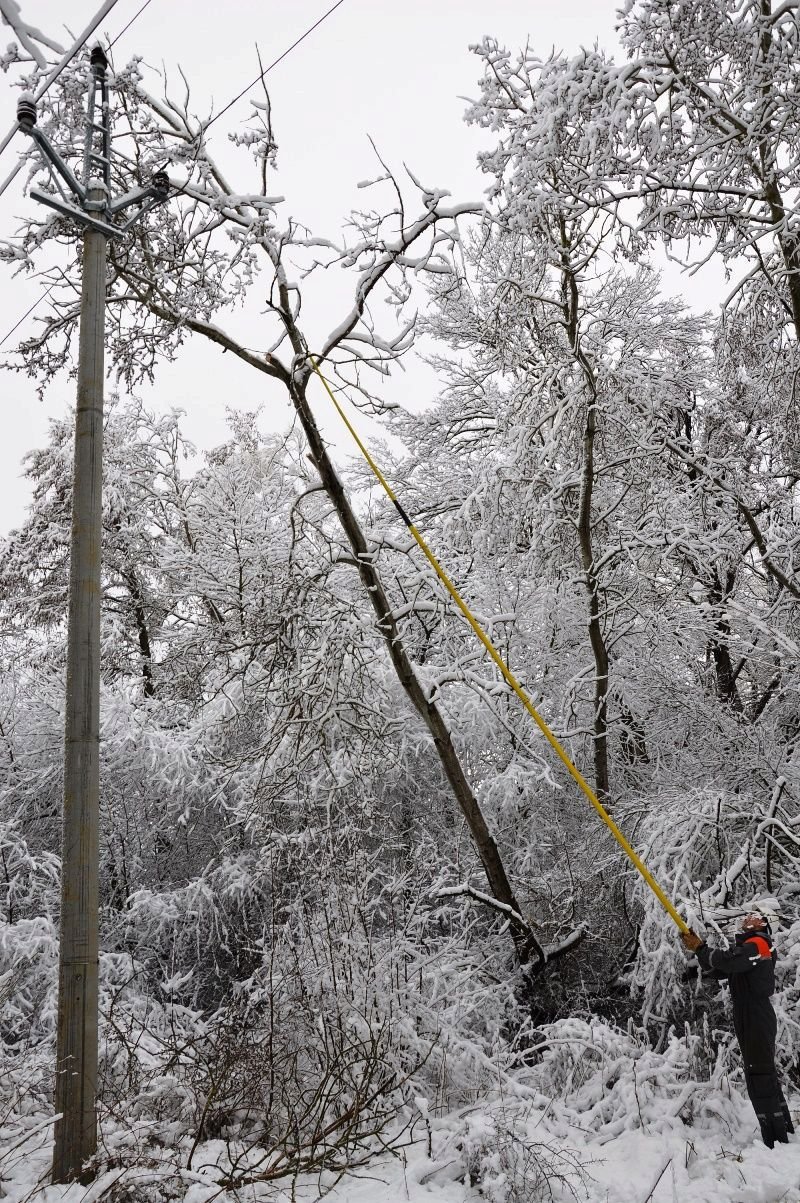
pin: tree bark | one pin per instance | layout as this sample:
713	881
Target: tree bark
789	243
133	585
602	774
727	690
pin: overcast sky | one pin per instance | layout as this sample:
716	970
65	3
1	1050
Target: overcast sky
395	70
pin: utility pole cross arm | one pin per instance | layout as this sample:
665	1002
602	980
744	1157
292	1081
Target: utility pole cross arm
79	215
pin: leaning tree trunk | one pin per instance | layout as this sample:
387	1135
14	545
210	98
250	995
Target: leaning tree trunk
527	947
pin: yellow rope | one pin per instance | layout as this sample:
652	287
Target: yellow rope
574	772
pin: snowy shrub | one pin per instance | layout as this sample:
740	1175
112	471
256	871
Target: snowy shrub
148	1047
196	940
610	1081
289	1076
28	880
306	1060
28	973
28	978
501	1150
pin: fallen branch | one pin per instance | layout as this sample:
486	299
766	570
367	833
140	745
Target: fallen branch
545	953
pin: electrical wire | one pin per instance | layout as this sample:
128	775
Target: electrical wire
27	314
275	62
258	79
125	28
181	189
82	38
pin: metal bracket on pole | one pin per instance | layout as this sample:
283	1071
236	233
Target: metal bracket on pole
153	196
53	157
79	215
93	209
96	214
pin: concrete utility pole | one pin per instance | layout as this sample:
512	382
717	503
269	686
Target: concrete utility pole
76	1056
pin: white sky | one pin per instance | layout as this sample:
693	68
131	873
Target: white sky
396	71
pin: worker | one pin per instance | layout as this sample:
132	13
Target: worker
749	967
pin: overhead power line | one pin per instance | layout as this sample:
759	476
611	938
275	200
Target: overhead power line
27	314
275	62
87	33
125	28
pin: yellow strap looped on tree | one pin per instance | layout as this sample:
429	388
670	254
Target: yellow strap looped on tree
509	677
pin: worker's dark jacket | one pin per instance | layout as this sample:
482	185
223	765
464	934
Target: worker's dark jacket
749	968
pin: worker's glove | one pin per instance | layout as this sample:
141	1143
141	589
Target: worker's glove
691	941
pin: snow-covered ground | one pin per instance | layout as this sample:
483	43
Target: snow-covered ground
682	1163
633	1168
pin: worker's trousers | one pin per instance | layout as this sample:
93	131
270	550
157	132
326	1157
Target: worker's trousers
756	1028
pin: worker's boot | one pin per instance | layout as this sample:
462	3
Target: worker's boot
787	1116
770	1107
766	1129
780	1131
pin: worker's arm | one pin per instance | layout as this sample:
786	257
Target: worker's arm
726	962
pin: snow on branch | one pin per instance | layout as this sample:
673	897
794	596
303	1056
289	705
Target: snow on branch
30	38
545	953
718	893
